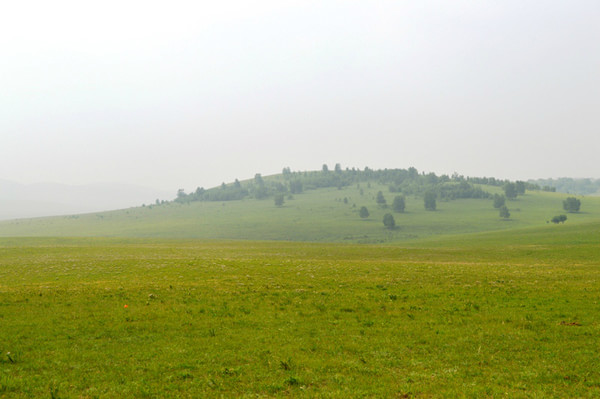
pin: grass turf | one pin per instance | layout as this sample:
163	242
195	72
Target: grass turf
498	314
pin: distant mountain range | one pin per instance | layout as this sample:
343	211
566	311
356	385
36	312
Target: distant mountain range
50	199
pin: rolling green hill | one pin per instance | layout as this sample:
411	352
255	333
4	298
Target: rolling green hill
456	302
320	214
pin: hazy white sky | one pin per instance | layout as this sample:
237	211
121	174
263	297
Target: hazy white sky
184	94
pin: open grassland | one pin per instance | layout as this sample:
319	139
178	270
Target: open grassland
316	215
512	314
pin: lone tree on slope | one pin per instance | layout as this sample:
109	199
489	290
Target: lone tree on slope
388	221
571	204
399	203
381	199
499	200
510	190
504	213
429	200
364	212
279	200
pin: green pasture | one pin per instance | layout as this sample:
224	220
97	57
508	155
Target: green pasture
502	314
324	215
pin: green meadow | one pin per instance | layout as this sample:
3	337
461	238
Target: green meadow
248	299
500	314
315	215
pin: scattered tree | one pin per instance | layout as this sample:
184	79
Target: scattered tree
559	219
388	221
364	212
325	168
571	204
279	200
380	199
260	192
295	186
399	203
338	168
510	190
429	200
499	200
504	213
520	187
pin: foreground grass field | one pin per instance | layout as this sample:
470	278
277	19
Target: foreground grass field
499	314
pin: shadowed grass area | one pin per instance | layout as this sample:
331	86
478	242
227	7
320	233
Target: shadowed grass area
497	314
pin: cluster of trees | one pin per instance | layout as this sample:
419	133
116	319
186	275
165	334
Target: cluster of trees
258	188
571	205
512	190
406	181
399	203
402	181
499	201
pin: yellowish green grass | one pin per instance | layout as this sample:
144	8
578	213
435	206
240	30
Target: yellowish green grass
508	314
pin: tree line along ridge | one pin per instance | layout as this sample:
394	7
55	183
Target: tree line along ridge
410	181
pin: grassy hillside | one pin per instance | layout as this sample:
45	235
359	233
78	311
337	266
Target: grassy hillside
512	314
325	214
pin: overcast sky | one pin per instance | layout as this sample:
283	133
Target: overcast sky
185	94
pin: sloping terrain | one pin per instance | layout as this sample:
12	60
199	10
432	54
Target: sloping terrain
326	214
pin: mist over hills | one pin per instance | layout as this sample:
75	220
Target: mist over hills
569	185
55	199
50	199
327	205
